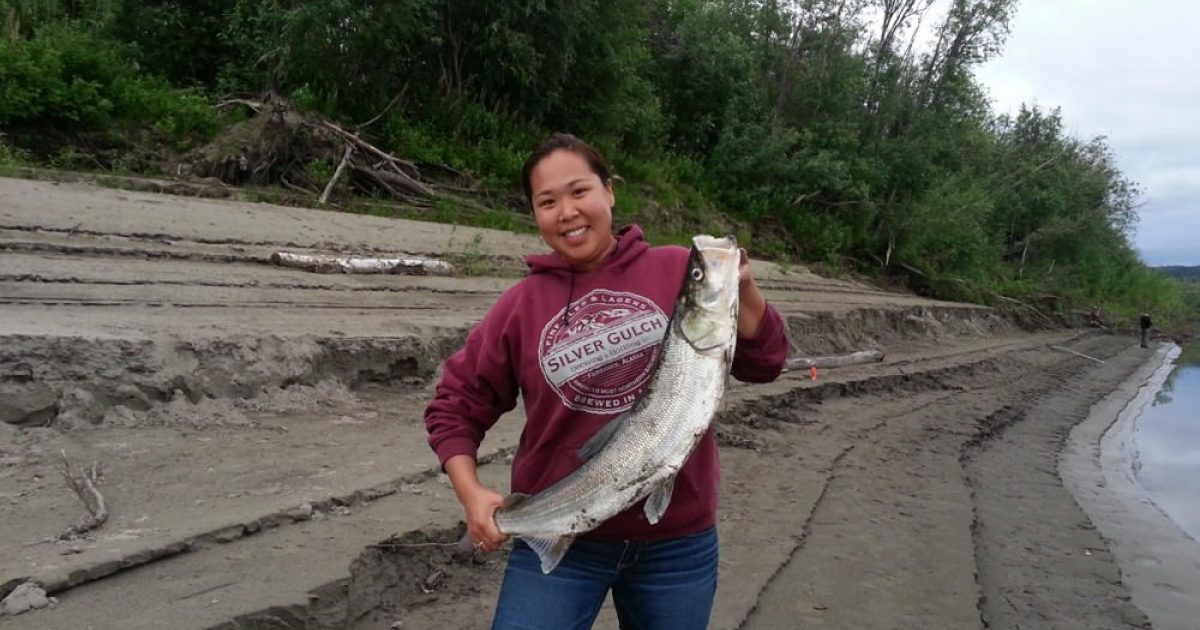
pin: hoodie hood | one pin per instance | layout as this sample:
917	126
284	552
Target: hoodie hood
631	243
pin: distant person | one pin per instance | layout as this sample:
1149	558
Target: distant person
1145	324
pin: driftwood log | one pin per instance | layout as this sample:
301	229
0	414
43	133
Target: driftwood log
355	264
856	358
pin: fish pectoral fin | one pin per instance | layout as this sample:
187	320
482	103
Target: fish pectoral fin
657	502
597	442
549	550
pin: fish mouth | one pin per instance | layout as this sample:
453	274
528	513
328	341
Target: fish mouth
717	249
719	253
704	241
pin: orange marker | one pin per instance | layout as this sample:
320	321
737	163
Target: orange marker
813	372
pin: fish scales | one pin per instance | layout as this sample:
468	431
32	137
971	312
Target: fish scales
667	446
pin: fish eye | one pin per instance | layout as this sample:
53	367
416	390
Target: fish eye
697	273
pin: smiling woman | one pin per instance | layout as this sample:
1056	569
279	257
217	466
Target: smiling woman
570	190
578	341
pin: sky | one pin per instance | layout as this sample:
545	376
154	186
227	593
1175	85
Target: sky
1126	70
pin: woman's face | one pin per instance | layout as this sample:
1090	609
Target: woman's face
573	208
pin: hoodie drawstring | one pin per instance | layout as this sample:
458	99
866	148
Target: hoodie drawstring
570	296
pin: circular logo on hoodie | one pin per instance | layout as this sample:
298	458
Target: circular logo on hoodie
599	359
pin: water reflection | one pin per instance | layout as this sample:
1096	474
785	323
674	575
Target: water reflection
1167	438
1189	358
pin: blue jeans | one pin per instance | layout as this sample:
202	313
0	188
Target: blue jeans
666	585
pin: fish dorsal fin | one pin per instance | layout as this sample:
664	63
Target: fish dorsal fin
601	439
657	502
549	550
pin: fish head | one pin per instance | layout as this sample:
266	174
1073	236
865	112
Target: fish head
708	302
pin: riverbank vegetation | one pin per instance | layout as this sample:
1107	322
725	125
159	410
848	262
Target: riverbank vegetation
820	131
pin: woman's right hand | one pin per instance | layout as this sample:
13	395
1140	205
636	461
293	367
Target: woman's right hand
481	504
479	501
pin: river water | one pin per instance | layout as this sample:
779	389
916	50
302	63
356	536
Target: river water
1166	444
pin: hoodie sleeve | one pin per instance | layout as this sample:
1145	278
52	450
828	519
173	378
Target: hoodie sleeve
478	385
761	359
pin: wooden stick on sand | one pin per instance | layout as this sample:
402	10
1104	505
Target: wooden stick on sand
83	484
1078	354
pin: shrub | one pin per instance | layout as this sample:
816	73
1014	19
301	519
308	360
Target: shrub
72	78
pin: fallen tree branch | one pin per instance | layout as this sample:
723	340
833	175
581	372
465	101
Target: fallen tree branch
350	264
392	103
396	176
1040	315
855	358
1044	319
83	483
370	148
336	175
254	106
395	179
399	164
451	170
374	175
459	189
474	206
293	187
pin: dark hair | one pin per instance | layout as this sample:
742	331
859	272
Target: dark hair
563	142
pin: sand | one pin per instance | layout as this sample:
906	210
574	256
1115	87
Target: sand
260	434
1159	561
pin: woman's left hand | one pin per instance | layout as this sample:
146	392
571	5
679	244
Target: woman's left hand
752	303
744	274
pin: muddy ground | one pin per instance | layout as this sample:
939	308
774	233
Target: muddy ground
259	434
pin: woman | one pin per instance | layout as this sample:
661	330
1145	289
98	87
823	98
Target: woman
612	295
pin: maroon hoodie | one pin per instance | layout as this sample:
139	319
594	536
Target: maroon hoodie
579	346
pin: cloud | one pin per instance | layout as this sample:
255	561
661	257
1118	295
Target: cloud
1121	70
1166	234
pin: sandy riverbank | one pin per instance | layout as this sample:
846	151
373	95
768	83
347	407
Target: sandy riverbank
1158	560
260	430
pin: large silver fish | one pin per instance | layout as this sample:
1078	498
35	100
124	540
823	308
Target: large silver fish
638	454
